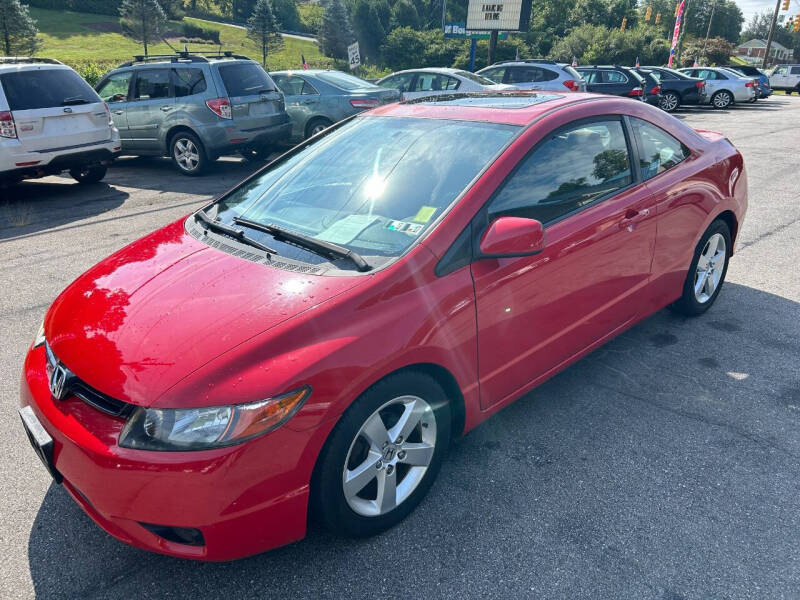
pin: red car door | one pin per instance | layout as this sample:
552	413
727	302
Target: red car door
535	312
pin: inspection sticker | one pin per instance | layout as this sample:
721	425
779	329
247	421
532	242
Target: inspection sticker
424	214
397	225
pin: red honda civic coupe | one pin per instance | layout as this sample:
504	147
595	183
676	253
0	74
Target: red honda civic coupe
308	343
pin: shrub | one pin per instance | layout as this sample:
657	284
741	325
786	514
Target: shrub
192	30
93	71
407	48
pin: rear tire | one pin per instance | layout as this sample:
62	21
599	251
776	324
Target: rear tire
188	154
316	126
374	470
722	99
87	175
706	272
670	101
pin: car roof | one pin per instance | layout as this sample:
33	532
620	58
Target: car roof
306	72
24	63
443	70
491	107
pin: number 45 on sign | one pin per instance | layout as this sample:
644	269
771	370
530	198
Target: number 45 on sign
353	56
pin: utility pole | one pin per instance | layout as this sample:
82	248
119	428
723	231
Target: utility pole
492	45
708	31
771	32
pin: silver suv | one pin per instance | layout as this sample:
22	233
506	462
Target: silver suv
51	121
536	74
195	108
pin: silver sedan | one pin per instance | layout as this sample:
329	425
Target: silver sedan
723	88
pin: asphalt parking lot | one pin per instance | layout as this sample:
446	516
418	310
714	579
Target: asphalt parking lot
664	465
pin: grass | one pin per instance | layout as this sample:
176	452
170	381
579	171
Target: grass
77	38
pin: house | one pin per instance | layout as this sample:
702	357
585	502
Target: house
753	51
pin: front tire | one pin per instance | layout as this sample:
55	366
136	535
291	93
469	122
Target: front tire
670	101
188	153
722	99
87	175
383	456
707	271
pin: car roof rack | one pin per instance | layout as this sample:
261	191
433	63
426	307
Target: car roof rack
543	61
28	59
185	56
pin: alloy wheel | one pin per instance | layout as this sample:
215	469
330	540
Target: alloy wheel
186	154
319	128
722	100
710	267
389	456
669	102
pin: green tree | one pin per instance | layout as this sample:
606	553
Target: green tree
407	48
335	34
726	23
286	14
604	12
593	44
262	28
404	14
717	51
506	50
368	26
142	20
17	28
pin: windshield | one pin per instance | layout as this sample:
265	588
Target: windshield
344	81
375	185
475	78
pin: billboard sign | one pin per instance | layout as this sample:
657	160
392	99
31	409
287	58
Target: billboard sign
503	15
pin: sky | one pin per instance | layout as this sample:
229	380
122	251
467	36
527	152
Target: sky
752	7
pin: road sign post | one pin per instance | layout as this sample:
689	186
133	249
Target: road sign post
353	56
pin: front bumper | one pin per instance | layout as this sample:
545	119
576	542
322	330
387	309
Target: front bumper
244	499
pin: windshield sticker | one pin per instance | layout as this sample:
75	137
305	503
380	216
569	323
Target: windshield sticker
346	230
424	214
397	225
414	228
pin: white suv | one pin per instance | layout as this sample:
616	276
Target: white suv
786	78
51	121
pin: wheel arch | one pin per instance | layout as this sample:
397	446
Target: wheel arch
175	129
729	218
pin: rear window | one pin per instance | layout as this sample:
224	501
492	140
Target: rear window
572	72
245	79
475	78
344	81
46	88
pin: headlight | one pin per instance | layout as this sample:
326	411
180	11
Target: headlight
211	427
39	339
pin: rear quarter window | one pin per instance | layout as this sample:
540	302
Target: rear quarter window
45	88
245	79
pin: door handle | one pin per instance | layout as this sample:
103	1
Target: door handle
166	108
633	216
119	112
306	102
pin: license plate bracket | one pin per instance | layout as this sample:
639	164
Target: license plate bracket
41	441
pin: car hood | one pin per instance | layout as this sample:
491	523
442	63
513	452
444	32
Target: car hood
146	317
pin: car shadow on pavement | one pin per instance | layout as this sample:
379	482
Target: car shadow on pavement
665	464
34	205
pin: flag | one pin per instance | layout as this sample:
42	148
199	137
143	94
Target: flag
676	31
695	65
305	64
637	62
574	61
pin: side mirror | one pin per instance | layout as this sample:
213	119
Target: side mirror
512	236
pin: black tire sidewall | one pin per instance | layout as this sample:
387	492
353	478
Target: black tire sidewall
328	503
688	303
201	152
93	174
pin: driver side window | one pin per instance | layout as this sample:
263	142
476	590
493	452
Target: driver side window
115	88
574	167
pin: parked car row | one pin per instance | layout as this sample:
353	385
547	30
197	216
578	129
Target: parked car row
195	108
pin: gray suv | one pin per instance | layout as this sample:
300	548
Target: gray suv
195	108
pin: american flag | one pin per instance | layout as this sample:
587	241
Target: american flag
637	62
305	64
574	61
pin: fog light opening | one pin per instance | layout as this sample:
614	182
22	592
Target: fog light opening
178	535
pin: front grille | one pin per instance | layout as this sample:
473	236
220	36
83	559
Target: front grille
76	386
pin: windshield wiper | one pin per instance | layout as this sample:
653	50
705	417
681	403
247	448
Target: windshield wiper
73	100
309	243
231	231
